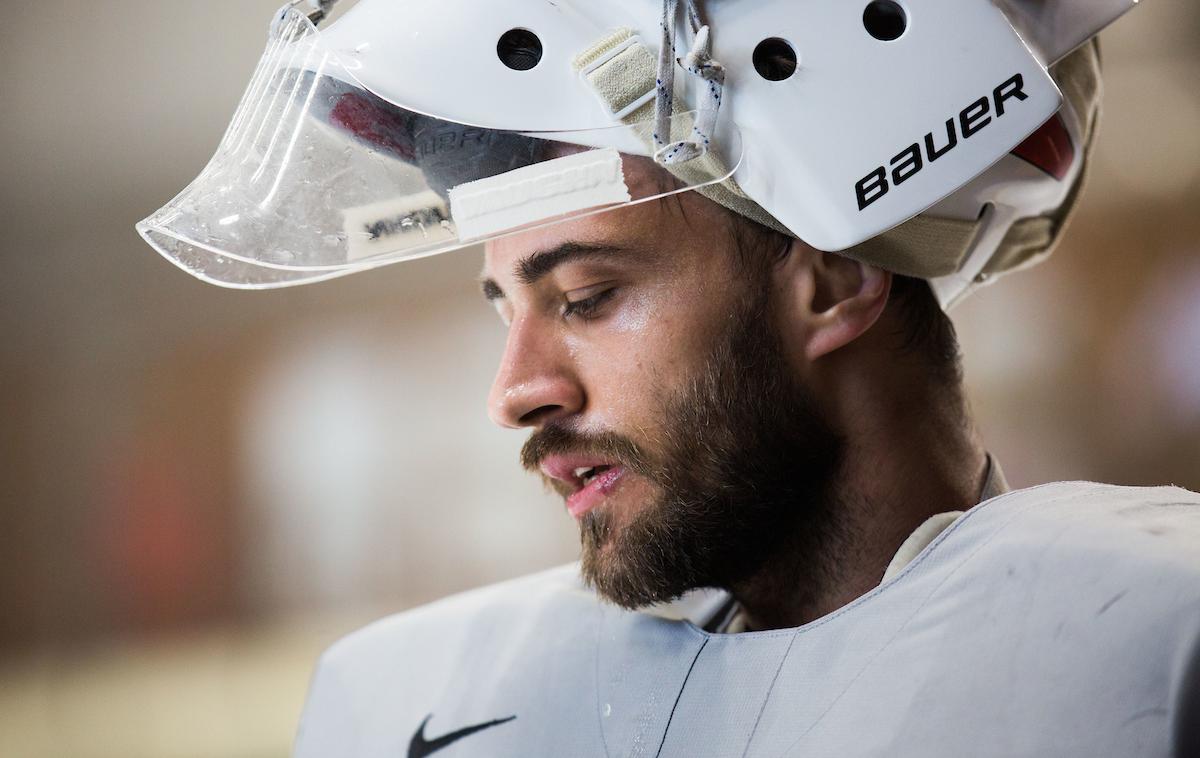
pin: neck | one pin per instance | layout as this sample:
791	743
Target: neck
907	460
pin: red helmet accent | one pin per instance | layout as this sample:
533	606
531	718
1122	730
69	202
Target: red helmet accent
1049	148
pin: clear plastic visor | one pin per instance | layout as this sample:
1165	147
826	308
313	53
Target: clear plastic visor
318	177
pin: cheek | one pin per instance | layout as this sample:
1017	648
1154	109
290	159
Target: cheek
638	314
635	358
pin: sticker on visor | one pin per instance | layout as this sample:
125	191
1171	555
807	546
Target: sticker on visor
396	224
486	207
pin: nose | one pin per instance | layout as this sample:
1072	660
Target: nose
535	382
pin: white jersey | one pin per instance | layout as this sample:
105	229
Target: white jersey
1061	620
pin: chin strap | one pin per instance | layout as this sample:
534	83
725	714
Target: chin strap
699	63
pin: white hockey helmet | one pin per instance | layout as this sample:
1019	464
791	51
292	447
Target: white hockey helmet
942	139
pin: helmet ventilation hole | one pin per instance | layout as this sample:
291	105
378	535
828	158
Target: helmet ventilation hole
885	20
774	59
519	49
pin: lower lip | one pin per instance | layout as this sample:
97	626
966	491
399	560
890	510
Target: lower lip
592	495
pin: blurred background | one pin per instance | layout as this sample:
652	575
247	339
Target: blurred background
201	489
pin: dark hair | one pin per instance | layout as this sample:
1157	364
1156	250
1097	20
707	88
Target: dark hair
926	330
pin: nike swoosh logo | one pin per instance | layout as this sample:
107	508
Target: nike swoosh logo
421	747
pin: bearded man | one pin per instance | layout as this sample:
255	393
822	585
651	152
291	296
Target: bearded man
794	541
730	351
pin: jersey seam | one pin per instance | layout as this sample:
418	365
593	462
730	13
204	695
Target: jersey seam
678	697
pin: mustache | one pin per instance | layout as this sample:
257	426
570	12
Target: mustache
555	439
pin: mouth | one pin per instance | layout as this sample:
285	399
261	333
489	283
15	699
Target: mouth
586	475
585	482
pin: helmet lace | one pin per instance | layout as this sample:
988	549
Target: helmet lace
699	63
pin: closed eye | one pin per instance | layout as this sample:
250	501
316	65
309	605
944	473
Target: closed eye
588	307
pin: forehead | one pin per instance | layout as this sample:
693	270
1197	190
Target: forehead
678	225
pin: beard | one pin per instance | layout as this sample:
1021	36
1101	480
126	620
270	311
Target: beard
743	467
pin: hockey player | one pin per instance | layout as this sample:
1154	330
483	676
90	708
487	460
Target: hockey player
724	269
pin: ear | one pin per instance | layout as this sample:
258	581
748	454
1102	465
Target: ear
836	299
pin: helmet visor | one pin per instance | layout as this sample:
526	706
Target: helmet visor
317	177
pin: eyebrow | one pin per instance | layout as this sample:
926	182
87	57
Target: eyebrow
535	266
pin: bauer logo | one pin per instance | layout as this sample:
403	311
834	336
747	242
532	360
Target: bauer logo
534	193
940	142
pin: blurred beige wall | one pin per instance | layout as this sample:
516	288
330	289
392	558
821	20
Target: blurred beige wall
201	488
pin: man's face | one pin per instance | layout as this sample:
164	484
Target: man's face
642	353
